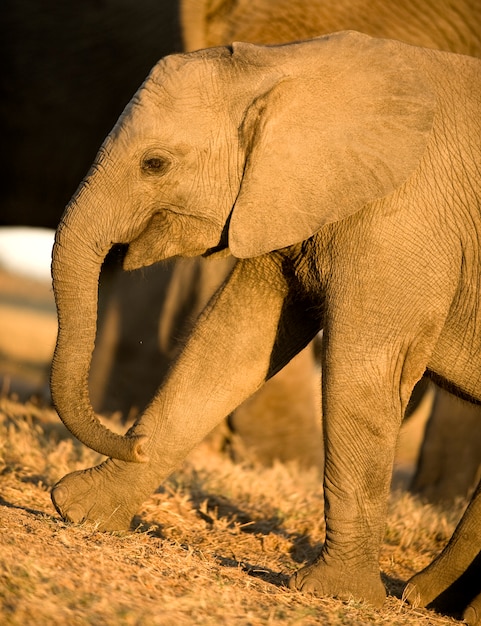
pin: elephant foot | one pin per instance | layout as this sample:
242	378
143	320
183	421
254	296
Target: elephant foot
446	593
325	580
97	495
472	614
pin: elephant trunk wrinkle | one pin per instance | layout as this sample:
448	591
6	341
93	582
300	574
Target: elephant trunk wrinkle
76	263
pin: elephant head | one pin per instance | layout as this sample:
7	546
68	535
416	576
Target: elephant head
241	149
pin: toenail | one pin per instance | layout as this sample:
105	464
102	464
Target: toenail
411	595
75	514
470	616
60	495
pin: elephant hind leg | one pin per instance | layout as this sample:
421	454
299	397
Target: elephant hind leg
451	584
458	595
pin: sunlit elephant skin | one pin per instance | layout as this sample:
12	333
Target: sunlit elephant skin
325	166
126	371
79	87
56	68
445	25
144	319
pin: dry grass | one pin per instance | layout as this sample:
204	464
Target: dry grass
213	546
28	328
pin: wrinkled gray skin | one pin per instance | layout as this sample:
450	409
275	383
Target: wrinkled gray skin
441	24
449	464
445	25
325	166
140	331
79	87
145	318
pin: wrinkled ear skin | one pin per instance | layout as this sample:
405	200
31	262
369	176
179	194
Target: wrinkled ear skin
323	143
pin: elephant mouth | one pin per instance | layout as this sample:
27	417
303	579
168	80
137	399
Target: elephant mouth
221	250
218	252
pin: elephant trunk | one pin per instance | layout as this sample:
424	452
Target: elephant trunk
76	263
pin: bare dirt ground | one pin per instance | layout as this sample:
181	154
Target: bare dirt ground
214	545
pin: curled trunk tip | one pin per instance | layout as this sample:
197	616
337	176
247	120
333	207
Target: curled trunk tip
128	448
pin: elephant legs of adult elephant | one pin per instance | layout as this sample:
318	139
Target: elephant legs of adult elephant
144	316
282	421
450	458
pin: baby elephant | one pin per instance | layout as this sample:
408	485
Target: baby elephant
345	173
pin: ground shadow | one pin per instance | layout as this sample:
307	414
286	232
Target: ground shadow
394	586
263	573
18	507
303	550
211	507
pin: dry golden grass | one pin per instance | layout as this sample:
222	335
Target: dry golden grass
213	546
28	328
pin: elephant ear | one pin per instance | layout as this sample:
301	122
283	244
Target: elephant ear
323	143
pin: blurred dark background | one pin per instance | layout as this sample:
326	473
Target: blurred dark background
67	71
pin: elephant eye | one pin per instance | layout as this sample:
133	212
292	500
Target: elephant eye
154	165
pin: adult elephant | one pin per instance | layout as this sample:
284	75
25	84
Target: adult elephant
449	464
442	24
326	167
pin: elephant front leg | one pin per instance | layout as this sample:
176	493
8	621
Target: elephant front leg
451	584
362	411
237	344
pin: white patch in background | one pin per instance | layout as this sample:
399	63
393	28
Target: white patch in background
27	251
